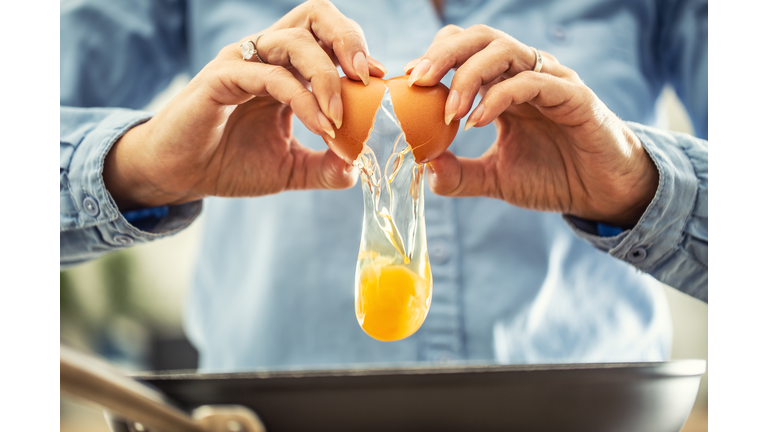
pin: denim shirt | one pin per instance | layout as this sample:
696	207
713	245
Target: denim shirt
273	286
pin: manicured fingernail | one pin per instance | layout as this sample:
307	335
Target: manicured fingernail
325	125
361	67
336	111
377	64
419	71
411	64
451	106
477	114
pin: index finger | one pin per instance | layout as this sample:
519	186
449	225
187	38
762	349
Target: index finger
336	31
455	49
446	31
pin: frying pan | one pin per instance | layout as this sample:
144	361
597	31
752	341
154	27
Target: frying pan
654	397
628	397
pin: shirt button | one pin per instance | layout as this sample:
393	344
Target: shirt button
559	35
123	240
636	254
91	206
439	253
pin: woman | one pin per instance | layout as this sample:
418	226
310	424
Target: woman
274	282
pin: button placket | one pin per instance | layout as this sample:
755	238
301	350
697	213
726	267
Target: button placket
442	339
439	252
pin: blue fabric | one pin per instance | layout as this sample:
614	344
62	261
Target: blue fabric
146	219
604	230
274	283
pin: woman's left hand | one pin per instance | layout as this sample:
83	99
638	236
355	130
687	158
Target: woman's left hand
558	147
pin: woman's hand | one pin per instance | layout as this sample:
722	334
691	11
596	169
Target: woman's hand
229	132
558	147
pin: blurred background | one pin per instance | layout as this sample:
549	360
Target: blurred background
127	306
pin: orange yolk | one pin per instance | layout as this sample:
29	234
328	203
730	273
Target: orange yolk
391	302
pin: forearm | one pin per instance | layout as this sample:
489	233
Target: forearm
90	222
670	241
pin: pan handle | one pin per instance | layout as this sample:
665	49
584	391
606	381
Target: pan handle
98	382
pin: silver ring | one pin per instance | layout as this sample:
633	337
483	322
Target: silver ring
539	61
248	49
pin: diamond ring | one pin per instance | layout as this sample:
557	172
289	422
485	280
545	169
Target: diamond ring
248	49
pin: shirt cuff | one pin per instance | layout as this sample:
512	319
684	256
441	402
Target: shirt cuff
659	232
94	204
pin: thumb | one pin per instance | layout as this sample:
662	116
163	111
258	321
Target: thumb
450	175
320	169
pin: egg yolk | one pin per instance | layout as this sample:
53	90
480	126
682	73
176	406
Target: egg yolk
391	301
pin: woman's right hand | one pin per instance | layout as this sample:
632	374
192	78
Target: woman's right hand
229	132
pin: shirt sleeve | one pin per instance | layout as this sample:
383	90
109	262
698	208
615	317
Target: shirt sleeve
117	53
670	240
90	223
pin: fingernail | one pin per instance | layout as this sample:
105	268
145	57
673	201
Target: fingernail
325	125
377	64
451	106
337	113
361	67
477	114
419	71
411	64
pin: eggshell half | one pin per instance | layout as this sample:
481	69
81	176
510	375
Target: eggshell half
420	111
360	103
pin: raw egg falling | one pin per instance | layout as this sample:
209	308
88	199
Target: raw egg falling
389	131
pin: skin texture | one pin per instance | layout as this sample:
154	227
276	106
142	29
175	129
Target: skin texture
229	131
558	147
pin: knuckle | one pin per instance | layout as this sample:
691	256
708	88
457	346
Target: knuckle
298	93
324	77
318	4
469	75
274	73
497	91
328	71
483	30
505	46
350	36
300	34
523	61
530	75
320	7
450	29
356	25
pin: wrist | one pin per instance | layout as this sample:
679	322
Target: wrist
640	189
128	173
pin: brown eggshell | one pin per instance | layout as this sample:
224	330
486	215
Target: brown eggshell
360	103
421	112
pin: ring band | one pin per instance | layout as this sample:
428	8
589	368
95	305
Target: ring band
248	49
539	61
